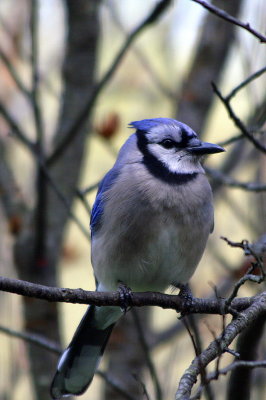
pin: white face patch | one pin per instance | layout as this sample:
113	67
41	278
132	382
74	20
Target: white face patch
176	160
168	142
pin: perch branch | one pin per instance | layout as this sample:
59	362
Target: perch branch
80	296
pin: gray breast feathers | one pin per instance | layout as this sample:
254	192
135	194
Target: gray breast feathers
152	234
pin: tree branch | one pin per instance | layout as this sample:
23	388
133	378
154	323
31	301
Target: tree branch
33	338
244	83
237	120
229	18
14	206
80	296
53	347
247	347
150	364
219	177
15	76
219	345
18	131
85	111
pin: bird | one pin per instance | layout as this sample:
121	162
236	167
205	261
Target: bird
150	222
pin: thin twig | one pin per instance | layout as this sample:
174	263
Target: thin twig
142	58
17	130
219	177
20	134
197	348
85	111
143	386
197	343
14	74
227	17
41	179
248	276
35	73
63	200
235	138
231	140
245	83
150	363
54	347
238	121
115	386
89	188
84	201
235	327
33	338
238	364
229	368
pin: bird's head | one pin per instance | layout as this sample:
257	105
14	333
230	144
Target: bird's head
173	144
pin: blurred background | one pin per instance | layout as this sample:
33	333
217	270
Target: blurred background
73	74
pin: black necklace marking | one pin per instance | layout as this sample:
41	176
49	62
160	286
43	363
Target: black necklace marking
157	168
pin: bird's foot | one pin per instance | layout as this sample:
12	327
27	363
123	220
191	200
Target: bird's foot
125	294
186	295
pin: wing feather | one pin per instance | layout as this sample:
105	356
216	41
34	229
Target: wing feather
98	207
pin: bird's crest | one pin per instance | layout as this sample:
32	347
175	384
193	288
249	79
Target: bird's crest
146	125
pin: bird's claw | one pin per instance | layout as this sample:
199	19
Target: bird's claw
186	294
125	294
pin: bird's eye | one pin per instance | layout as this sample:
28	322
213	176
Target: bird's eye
167	143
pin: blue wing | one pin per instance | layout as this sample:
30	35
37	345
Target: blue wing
98	206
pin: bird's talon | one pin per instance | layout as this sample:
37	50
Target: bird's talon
186	294
125	296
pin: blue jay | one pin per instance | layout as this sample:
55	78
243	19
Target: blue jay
150	223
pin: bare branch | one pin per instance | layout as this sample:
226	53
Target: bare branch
16	78
240	136
142	58
150	364
14	206
219	177
33	338
35	73
85	111
237	120
251	78
84	201
227	17
80	296
219	345
229	368
52	346
115	386
17	130
249	276
245	364
247	347
63	199
20	134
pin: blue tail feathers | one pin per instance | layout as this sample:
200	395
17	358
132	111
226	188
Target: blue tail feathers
80	360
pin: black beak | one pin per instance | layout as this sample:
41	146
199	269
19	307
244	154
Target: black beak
202	148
